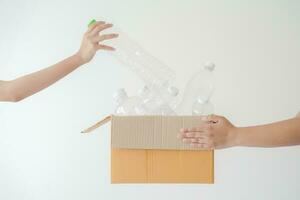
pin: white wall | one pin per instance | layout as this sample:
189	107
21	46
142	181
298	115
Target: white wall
255	45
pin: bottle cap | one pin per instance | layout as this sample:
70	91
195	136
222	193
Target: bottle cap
91	22
209	66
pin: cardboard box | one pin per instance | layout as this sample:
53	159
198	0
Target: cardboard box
145	149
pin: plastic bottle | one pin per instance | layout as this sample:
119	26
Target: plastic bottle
119	98
154	104
146	100
166	106
156	75
200	108
198	91
126	105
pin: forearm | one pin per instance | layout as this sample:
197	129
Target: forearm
20	88
30	84
283	133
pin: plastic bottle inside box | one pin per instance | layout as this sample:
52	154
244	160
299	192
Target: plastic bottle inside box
157	76
198	92
159	92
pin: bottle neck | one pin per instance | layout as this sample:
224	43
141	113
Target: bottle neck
120	100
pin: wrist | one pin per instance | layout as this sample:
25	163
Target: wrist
234	134
79	59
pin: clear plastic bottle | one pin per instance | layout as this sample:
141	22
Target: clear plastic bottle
166	106
200	108
146	100
126	105
156	75
119	98
198	92
155	104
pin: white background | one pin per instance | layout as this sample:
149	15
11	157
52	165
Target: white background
255	44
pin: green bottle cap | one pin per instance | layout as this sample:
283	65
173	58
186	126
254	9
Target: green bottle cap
91	22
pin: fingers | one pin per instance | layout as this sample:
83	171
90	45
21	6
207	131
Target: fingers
192	134
92	26
200	139
100	38
99	28
201	128
203	142
200	136
203	146
105	47
94	37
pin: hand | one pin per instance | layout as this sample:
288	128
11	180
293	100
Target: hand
92	39
215	132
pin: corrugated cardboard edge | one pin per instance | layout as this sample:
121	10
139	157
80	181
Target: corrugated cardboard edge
128	140
98	124
151	132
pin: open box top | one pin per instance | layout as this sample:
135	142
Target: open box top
148	132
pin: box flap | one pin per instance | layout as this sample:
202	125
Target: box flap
98	124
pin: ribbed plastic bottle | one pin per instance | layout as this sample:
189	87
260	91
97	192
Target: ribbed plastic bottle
126	105
157	76
198	91
200	108
158	105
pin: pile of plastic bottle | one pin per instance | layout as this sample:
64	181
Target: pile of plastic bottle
159	96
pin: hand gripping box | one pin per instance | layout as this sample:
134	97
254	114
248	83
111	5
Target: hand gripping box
145	149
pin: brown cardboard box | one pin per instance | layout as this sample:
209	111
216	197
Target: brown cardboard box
145	150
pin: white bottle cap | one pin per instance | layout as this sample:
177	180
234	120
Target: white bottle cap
209	66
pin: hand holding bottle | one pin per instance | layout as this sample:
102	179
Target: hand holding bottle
92	39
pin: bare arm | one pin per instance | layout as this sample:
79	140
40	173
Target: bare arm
30	84
25	86
217	132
